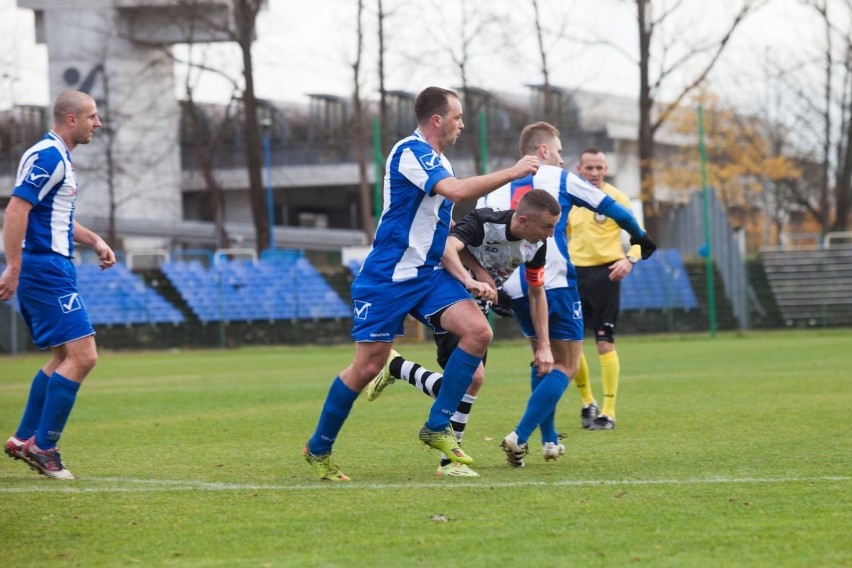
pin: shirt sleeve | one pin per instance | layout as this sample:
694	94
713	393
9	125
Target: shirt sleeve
38	172
470	230
624	218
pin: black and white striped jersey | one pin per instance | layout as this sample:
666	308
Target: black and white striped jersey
487	235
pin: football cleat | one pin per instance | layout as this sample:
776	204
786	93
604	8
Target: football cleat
454	469
445	442
383	379
515	452
46	462
324	466
588	414
551	451
15	448
603	422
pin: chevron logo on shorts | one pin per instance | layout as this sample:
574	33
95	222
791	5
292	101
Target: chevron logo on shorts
578	310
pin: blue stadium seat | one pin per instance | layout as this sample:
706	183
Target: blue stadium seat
283	285
661	282
117	296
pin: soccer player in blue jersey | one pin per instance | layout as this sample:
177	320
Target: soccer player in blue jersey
488	246
402	275
563	300
39	233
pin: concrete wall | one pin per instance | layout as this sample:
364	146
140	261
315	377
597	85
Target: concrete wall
133	163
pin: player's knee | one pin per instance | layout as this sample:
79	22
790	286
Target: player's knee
606	333
85	362
482	335
570	369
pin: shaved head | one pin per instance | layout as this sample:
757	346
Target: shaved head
75	118
70	102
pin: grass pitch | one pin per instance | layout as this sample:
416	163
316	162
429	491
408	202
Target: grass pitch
729	451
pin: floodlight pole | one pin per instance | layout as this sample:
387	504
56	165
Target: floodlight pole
708	236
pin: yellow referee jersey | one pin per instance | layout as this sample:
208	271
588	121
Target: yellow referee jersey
595	239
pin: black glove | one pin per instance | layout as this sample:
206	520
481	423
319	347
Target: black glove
503	307
646	244
503	311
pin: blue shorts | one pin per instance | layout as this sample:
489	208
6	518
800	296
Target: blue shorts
50	304
379	308
564	311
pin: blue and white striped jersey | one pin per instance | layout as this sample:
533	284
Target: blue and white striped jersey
415	222
570	190
46	179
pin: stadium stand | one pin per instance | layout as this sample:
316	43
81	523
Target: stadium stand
278	286
659	283
119	297
812	287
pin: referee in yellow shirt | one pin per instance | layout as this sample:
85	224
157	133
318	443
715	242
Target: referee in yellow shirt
596	249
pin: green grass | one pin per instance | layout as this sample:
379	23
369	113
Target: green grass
729	451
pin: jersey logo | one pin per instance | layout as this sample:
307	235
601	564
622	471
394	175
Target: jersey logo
599	218
37	177
430	161
70	303
361	309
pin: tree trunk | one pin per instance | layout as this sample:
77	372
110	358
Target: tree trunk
361	146
646	106
246	16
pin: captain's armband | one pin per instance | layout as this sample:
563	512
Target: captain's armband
535	276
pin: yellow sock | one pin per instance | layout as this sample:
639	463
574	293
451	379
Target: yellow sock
610	370
581	379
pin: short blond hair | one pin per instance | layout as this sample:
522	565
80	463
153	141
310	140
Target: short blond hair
534	135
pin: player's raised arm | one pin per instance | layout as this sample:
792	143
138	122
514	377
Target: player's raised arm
475	187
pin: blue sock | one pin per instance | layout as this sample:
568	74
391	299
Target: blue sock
35	404
548	425
58	402
542	403
458	374
336	409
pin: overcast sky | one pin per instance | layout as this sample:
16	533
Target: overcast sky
308	47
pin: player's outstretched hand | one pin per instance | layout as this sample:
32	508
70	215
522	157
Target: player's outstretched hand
646	244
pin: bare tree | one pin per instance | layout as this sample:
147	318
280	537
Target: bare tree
381	16
818	88
464	39
360	118
245	16
115	171
545	70
242	33
653	115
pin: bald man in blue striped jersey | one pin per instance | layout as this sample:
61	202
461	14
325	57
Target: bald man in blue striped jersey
39	233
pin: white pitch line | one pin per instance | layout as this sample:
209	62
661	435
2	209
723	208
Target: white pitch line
131	485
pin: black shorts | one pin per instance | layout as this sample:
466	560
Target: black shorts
446	343
600	298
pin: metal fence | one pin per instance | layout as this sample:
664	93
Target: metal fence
684	230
